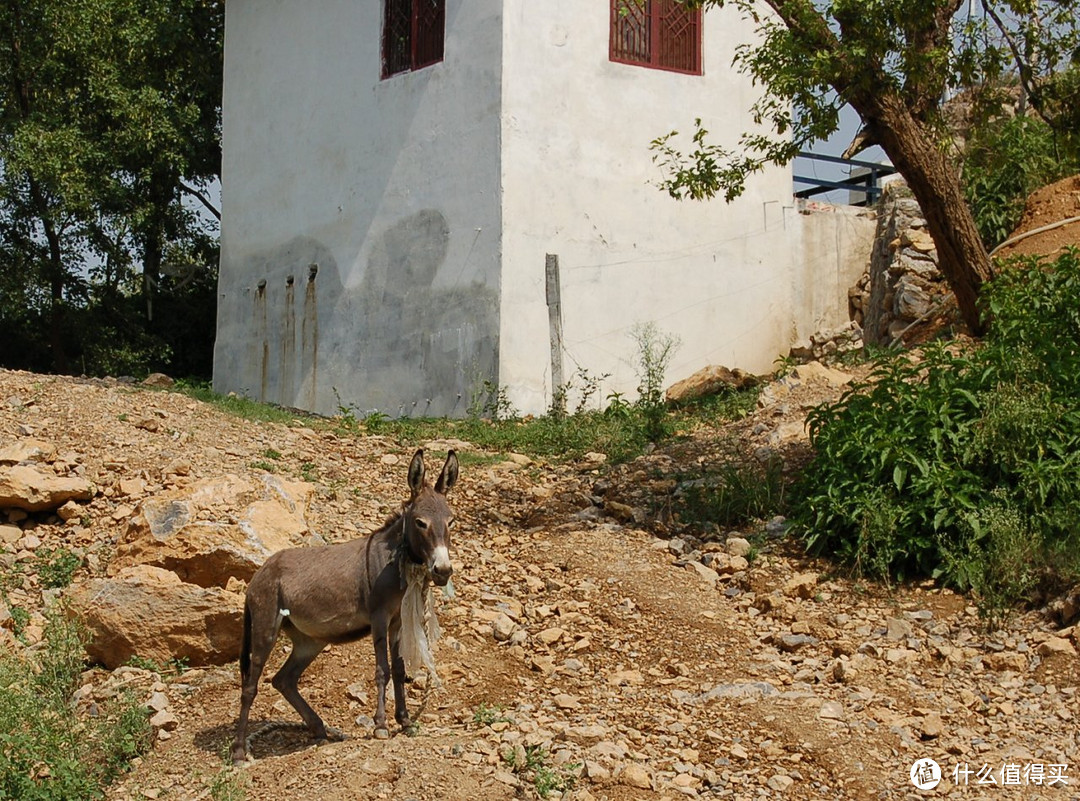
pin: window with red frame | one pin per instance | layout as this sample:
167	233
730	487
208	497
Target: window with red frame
663	34
413	32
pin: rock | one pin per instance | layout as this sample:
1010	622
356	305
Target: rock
249	519
816	371
158	381
550	636
738	752
707	574
897	629
780	782
801	585
1006	660
635	775
709	381
27	450
502	627
1053	646
831	710
9	534
790	643
932	726
595	771
34	490
738	546
566	701
149	612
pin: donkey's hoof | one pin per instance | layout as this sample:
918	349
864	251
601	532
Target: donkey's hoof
382	734
335	735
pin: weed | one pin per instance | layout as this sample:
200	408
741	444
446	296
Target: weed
238	405
229	785
270	453
174	666
531	763
737	492
962	465
20	619
655	350
56	566
486	715
262	464
50	753
309	473
489	401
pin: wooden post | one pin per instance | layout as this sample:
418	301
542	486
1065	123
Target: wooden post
554	304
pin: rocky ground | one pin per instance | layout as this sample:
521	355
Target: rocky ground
593	641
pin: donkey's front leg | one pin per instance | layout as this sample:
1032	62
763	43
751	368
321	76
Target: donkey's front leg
379	633
397	671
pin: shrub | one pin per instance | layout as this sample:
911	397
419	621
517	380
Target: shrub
49	753
1004	162
962	465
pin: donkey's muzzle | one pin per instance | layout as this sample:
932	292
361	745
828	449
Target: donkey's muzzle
440	574
441	569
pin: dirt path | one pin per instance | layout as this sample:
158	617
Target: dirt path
578	641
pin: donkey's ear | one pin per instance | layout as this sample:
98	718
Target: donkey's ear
416	472
448	476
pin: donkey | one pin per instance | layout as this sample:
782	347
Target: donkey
340	593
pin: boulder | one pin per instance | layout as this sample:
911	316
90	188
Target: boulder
36	490
27	450
709	381
149	612
217	529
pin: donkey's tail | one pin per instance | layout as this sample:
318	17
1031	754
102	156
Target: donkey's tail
245	645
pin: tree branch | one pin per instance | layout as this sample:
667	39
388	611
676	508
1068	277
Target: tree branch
195	193
1024	68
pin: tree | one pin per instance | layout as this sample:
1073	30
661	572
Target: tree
109	115
892	61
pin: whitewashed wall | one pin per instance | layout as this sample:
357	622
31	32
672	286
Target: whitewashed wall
426	204
578	181
389	186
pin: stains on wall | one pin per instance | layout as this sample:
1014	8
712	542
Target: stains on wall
413	336
419	325
263	350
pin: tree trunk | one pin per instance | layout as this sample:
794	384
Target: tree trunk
57	278
962	257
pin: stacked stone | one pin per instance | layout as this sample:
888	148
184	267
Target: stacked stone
902	285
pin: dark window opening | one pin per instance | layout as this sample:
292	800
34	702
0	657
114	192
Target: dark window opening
413	32
663	34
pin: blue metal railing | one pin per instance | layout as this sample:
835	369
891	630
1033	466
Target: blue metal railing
868	182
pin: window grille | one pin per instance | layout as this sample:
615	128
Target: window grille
413	33
663	34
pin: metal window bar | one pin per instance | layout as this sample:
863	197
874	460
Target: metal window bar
429	32
656	33
413	34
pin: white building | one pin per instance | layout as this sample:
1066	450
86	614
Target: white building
396	172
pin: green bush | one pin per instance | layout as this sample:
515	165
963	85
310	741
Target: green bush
1004	162
962	465
48	752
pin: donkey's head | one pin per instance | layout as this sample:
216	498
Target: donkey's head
427	518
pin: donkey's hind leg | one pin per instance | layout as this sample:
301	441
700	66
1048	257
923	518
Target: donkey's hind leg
261	624
304	651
